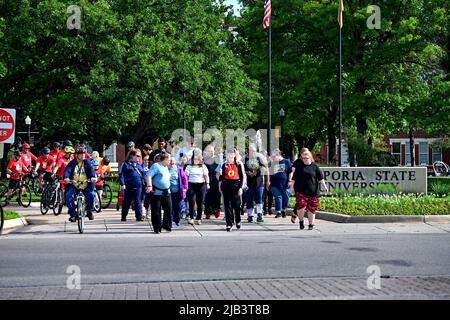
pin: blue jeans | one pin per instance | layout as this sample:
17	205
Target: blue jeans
176	206
281	197
71	193
254	195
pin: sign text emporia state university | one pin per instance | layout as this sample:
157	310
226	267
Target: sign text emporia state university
407	179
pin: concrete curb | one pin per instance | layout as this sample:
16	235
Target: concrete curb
342	218
15	223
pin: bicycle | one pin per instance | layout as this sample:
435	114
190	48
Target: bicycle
36	184
106	196
52	197
24	196
59	199
97	202
29	180
80	204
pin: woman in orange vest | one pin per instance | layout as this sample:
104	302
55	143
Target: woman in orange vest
230	184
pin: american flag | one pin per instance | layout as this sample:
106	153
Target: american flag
267	12
341	8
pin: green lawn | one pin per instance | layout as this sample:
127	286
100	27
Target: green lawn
9	215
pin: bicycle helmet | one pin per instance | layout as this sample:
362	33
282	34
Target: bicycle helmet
17	153
69	149
45	150
130	144
56	145
80	150
67	143
95	162
106	161
25	146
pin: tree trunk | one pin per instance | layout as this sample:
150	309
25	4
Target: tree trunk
411	145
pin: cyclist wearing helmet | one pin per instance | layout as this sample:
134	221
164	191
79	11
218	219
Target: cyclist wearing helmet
62	162
80	169
27	156
56	148
86	154
15	169
96	156
106	167
61	153
45	166
100	175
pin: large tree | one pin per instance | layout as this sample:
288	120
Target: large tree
390	74
128	73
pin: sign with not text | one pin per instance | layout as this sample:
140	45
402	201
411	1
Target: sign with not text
7	125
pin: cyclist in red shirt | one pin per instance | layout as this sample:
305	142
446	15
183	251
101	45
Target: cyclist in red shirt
62	162
61	153
16	168
27	156
55	151
45	166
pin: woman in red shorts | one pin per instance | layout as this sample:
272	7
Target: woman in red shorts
307	179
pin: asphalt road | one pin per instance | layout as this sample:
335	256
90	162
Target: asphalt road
136	259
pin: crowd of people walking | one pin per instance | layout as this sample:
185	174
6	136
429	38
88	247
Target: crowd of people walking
193	184
190	185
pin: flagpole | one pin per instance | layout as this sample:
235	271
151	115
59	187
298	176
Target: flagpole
340	98
270	90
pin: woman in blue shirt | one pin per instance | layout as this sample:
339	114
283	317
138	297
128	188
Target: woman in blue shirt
158	181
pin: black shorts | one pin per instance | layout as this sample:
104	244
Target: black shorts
13	184
98	187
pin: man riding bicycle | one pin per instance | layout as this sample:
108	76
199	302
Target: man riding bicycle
27	156
62	162
55	151
80	170
16	168
45	166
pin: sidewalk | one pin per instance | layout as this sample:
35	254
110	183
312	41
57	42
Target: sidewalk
262	289
108	222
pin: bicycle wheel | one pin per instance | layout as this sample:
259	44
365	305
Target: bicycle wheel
58	205
106	196
25	196
80	216
3	194
2	219
97	203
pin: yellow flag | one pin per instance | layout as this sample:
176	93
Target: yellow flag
341	8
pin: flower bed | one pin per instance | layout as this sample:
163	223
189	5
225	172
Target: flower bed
385	205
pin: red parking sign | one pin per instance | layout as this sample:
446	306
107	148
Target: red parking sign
7	125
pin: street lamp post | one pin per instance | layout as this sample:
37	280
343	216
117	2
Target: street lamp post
282	116
28	123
